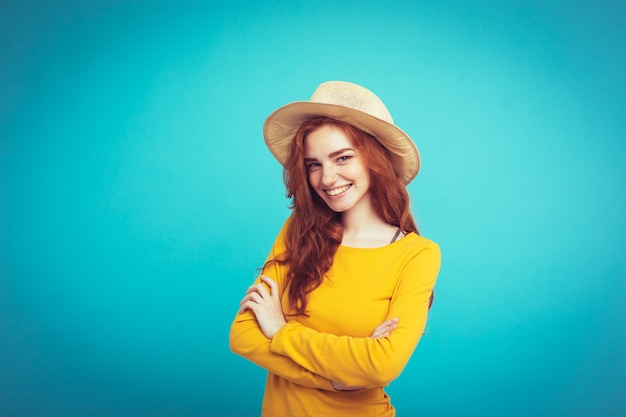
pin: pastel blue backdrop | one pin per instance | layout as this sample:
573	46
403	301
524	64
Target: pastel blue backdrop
137	197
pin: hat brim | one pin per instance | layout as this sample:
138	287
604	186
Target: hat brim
281	126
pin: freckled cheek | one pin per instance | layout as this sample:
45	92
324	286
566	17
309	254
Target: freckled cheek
314	182
352	173
313	179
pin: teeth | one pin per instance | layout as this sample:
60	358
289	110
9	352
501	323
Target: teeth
336	191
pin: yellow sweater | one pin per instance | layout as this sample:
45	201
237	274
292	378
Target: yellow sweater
363	288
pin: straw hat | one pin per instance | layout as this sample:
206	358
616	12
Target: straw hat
350	103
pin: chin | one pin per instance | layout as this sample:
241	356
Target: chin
339	208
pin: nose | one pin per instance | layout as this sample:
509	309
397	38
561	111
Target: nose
329	176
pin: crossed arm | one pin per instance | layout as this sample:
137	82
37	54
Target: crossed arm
268	311
264	302
322	360
325	361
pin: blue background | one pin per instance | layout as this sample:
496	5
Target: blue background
137	197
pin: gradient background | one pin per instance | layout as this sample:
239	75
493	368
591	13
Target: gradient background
137	197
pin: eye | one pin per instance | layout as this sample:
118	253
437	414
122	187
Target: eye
312	166
344	158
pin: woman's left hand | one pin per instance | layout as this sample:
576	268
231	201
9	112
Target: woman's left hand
383	330
265	305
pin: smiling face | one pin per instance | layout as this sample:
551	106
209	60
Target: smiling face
335	169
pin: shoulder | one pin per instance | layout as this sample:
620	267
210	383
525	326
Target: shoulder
413	242
419	252
422	260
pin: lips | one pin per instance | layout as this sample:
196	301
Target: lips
336	191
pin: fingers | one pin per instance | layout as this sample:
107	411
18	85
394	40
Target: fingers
259	289
262	289
252	296
258	293
273	286
244	306
338	386
385	328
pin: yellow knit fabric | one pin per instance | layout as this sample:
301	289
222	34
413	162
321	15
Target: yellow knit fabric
364	287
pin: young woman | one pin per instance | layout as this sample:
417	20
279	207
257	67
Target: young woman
343	298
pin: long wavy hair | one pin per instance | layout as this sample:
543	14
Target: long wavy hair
315	231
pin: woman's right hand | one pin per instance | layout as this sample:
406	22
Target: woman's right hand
383	330
263	300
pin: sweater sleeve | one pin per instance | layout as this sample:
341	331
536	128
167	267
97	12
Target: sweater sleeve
247	339
362	361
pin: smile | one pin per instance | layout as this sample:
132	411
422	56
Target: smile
337	191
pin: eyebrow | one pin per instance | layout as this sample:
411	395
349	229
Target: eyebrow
332	154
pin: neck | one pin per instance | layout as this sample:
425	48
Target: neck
363	228
356	222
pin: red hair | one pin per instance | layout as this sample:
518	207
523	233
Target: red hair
315	231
